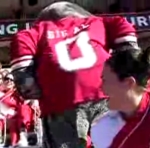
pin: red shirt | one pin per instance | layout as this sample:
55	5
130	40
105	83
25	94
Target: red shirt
12	99
69	55
113	131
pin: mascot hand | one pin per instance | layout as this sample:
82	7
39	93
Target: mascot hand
30	90
26	83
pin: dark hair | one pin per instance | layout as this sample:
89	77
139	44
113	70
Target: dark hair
130	61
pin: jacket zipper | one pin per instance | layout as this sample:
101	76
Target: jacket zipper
135	128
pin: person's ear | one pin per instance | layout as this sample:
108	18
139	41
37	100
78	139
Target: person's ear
130	81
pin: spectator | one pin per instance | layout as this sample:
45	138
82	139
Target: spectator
4	72
8	82
126	125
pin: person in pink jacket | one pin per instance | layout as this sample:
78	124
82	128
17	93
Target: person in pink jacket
126	80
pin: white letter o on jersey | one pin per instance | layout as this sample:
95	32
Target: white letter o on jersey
88	58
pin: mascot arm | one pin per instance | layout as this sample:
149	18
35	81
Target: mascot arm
23	53
122	34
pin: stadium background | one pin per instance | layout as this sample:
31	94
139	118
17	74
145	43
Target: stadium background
14	13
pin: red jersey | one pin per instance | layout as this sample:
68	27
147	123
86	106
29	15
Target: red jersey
12	100
113	131
69	55
9	103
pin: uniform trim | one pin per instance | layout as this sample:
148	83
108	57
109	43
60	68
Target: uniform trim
27	57
21	64
129	38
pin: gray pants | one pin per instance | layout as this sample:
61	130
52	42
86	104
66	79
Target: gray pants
66	130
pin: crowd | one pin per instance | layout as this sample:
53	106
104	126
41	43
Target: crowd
17	116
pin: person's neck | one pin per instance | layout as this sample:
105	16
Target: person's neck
133	105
